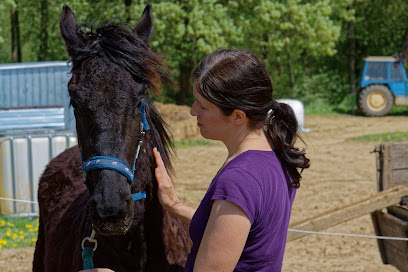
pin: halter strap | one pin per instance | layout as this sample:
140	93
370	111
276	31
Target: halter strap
144	120
110	163
115	164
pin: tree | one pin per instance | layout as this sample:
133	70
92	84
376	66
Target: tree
344	10
404	49
128	5
43	37
15	35
5	4
188	30
302	43
380	26
287	33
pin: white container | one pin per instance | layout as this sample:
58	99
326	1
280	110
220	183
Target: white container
299	110
22	162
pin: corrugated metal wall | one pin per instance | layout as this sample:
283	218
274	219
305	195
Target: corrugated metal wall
31	135
35	85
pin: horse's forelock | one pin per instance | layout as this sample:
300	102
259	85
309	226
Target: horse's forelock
118	42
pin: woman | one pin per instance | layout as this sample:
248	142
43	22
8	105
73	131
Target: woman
242	221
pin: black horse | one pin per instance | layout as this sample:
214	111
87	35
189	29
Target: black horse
112	69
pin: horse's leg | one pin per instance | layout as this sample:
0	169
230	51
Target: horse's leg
62	201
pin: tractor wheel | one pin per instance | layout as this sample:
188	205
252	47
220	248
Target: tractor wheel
375	100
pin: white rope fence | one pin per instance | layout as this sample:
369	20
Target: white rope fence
17	200
349	234
292	230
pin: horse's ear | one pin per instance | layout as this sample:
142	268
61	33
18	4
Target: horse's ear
69	27
144	27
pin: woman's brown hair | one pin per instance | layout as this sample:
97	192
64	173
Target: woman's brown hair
236	79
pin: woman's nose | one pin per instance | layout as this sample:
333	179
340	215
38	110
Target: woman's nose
193	109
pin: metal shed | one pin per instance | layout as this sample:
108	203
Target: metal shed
36	84
36	124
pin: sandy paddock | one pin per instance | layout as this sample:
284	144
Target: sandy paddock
342	172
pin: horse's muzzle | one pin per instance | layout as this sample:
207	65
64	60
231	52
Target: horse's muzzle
111	218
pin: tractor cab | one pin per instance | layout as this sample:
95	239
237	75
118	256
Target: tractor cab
383	84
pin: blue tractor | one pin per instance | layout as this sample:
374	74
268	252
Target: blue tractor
383	84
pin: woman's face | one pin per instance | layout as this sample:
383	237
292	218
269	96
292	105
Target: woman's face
212	122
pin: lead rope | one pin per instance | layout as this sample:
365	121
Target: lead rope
87	252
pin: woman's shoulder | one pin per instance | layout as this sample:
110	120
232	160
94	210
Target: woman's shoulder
263	167
251	164
253	160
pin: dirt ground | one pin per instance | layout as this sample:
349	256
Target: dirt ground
342	172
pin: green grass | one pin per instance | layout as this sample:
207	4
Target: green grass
398	136
18	232
399	110
190	143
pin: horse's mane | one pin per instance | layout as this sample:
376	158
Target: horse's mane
118	42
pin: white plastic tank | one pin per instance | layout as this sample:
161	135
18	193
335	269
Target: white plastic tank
299	110
22	162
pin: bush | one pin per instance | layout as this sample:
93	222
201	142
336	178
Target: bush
322	91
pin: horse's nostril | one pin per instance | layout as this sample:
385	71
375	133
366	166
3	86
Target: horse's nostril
112	210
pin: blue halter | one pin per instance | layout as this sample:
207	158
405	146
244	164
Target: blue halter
115	164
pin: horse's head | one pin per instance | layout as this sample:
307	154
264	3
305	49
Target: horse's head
112	67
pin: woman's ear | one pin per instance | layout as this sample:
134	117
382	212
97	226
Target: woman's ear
239	117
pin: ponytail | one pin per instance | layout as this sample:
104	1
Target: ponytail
281	129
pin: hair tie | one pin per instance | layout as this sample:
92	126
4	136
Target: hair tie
270	115
275	105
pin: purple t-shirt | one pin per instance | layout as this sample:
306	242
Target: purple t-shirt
256	182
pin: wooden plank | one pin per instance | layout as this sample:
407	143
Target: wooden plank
334	217
387	167
400	155
392	165
400	177
394	252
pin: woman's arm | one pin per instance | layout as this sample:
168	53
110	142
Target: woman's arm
224	238
166	193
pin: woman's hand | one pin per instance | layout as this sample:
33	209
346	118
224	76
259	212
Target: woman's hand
166	193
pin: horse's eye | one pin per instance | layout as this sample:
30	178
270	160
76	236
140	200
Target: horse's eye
78	109
139	104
